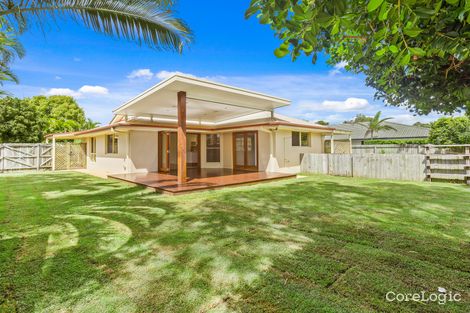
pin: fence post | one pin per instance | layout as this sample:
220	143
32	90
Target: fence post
38	156
427	162
2	158
467	153
53	153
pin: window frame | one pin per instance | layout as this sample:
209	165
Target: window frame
93	149
299	139
114	144
213	147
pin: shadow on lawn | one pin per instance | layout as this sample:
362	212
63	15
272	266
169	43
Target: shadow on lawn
74	242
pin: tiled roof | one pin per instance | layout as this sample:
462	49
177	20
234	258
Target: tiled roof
358	131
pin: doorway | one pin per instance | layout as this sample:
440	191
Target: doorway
168	151
245	150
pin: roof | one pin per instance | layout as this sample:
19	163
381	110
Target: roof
358	131
207	101
256	120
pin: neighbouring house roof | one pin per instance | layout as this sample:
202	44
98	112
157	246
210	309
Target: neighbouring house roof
358	131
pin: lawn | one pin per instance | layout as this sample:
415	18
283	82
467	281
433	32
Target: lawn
76	243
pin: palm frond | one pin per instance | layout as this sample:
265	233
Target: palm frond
147	22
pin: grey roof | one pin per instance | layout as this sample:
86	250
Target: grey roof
358	131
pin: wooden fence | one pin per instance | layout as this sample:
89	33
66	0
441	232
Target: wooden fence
39	156
21	156
389	149
443	162
388	166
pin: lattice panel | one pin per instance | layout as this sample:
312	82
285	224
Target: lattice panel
70	156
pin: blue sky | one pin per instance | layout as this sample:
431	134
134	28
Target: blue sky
103	72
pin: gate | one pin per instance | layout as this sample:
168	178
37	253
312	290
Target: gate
69	156
25	156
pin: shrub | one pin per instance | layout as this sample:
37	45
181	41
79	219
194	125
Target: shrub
421	141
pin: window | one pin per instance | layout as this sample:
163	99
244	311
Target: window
300	139
213	147
93	149
111	144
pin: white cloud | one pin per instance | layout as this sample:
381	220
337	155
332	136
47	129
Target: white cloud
57	77
143	73
167	74
95	90
337	68
63	92
85	90
411	119
350	104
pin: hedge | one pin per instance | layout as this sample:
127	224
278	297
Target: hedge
422	141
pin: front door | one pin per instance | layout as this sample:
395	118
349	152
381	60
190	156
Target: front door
245	148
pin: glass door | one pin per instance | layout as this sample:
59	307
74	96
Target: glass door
168	151
163	152
245	156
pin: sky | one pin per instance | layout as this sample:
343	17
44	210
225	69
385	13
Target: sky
103	72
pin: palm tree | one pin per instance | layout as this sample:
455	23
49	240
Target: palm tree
148	22
376	124
90	124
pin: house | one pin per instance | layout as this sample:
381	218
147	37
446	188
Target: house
358	133
185	126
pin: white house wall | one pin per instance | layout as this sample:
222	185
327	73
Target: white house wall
288	156
143	151
109	163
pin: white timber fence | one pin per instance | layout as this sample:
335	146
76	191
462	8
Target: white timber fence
432	163
25	156
40	156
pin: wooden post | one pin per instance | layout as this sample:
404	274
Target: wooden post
428	163
53	153
38	156
181	137
467	152
350	144
332	143
2	158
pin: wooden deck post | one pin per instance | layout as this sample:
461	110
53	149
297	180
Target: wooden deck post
181	137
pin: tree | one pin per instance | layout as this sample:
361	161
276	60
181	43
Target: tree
19	121
60	114
360	118
376	124
90	124
415	53
149	22
420	124
450	130
321	122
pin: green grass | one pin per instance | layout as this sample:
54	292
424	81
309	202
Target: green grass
75	243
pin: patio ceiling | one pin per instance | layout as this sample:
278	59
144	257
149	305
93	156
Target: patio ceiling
207	102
